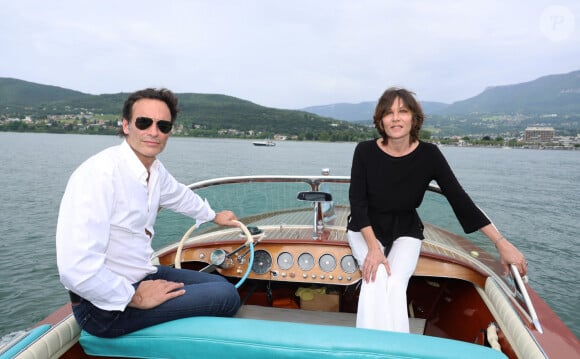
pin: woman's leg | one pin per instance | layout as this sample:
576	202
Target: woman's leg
383	303
371	312
205	295
403	259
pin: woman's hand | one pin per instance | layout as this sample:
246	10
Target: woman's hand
509	254
374	258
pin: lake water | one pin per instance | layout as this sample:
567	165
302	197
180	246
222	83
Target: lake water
533	197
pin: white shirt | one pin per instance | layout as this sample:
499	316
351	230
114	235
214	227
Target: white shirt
101	242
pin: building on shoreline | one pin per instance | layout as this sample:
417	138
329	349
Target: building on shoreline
539	134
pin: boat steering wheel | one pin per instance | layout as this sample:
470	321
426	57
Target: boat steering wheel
249	242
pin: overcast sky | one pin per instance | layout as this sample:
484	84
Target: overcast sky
289	54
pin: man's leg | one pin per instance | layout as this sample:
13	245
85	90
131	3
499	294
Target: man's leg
205	295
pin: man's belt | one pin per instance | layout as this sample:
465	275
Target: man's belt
74	298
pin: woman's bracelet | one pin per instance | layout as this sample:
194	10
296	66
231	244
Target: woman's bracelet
498	240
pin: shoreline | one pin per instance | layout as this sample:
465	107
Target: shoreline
435	141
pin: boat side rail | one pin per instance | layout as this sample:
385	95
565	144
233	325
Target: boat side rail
53	343
526	297
314	181
255	200
268	199
505	311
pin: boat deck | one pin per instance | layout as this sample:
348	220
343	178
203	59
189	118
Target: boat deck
417	325
298	225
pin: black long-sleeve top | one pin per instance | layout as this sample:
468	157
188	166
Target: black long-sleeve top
385	191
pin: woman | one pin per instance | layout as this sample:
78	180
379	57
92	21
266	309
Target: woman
389	178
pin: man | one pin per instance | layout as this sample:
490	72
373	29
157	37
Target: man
105	229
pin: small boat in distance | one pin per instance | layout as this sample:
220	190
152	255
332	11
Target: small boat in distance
267	143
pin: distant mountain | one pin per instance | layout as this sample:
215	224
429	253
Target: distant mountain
200	114
552	100
15	92
553	94
362	112
430	107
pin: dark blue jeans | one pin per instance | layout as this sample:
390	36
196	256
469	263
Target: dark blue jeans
205	295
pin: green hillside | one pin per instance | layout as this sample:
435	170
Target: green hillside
20	93
54	109
220	111
498	111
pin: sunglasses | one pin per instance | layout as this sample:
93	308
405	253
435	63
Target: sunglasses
144	123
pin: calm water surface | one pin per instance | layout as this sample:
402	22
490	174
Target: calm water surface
533	197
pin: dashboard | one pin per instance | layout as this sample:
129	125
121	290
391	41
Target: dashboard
320	263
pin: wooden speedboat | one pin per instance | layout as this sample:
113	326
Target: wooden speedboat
299	285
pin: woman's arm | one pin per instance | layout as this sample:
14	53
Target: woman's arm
508	253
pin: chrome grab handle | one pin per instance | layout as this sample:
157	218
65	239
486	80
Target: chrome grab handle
527	300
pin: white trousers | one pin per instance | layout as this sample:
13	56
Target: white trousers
382	304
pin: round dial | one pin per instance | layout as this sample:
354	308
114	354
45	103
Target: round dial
262	262
306	261
348	264
285	260
218	257
327	262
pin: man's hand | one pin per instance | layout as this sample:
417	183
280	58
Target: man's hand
151	293
226	218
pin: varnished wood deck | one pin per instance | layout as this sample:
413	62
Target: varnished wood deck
442	254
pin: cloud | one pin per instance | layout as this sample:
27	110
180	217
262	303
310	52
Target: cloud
289	54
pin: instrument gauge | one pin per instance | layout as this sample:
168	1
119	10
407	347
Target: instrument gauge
348	264
218	257
285	260
306	261
262	262
327	262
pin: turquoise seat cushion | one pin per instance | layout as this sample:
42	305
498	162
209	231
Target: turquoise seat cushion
214	337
